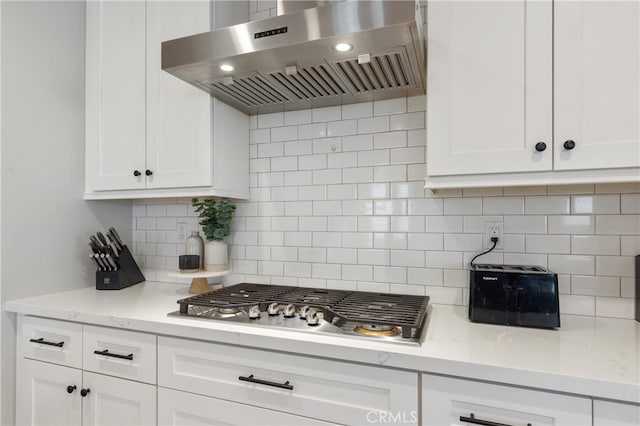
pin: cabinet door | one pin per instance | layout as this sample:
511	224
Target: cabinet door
452	401
115	95
178	114
489	74
42	397
113	401
597	84
606	413
182	408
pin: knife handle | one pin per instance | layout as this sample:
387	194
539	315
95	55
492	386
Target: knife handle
91	256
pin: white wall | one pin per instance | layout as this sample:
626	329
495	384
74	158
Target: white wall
44	221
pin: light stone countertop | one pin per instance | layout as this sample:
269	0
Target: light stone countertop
597	357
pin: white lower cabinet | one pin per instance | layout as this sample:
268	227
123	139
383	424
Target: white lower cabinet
275	382
48	394
55	387
182	408
607	413
453	401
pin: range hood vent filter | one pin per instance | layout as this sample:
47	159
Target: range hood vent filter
386	71
311	83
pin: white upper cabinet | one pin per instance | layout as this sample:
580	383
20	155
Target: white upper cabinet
489	86
532	92
149	134
597	84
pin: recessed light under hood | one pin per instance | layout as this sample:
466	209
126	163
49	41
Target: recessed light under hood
290	62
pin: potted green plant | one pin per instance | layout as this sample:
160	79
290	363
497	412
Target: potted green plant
215	219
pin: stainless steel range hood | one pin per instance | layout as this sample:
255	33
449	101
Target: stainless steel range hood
289	62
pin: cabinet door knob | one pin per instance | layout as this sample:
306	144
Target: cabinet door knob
85	392
136	173
569	145
148	172
70	388
541	146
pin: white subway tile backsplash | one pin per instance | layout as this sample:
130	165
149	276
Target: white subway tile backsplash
617	266
407	155
374	157
298	148
360	110
630	245
571	264
445	224
591	244
338	201
389	173
342	128
312	162
618	224
407	224
312	223
285	133
390	140
419	241
390	106
312	254
312	131
275	119
357	207
342	223
556	244
373	124
342	192
411	120
462	206
357	272
357	175
589	285
326	114
525	224
413	258
614	307
390	240
390	207
342	255
327	176
503	205
294	118
630	204
373	224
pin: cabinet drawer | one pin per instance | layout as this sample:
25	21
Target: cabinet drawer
53	341
453	401
317	388
127	354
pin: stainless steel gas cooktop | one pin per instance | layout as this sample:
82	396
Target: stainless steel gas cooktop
397	318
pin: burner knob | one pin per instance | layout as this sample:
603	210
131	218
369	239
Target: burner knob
313	318
304	311
254	312
273	309
289	311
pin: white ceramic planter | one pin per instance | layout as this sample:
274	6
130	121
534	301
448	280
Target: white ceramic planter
215	256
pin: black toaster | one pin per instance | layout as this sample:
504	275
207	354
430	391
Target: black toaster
519	295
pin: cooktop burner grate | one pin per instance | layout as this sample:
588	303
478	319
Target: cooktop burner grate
364	309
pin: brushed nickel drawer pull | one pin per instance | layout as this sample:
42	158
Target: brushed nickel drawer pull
252	379
44	342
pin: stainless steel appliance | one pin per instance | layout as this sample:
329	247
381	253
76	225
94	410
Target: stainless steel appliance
332	54
397	318
514	295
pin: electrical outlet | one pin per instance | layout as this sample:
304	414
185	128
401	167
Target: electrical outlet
493	229
182	231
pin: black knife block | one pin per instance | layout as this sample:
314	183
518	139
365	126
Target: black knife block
128	274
